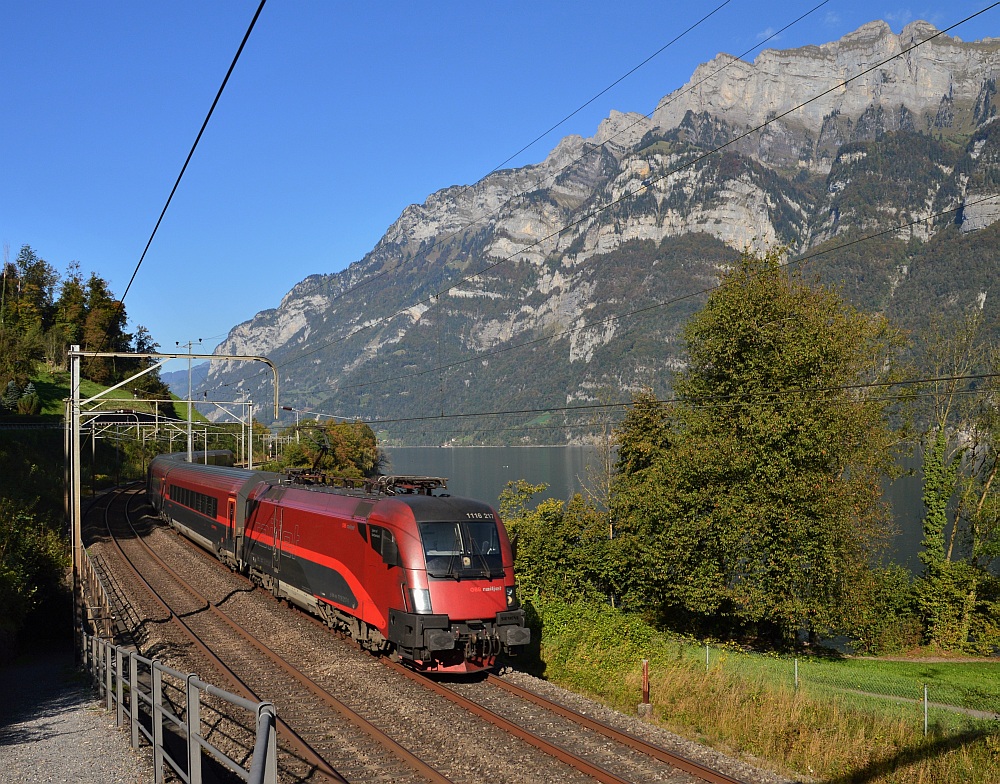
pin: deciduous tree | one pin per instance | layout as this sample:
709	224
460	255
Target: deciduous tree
341	448
560	547
756	496
957	595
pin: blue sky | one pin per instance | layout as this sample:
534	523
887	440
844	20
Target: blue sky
336	118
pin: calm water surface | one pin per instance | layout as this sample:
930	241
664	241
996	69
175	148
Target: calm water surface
483	472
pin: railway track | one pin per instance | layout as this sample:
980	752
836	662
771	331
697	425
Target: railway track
578	740
346	710
224	643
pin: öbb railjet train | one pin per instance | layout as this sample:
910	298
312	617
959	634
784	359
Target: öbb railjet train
425	578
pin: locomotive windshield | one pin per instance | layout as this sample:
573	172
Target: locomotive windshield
460	549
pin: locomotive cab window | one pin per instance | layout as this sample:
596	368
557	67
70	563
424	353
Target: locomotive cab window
467	548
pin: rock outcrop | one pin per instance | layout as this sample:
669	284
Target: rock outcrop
546	284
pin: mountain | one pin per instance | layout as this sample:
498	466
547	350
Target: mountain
566	283
177	380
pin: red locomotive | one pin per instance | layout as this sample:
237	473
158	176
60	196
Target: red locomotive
425	578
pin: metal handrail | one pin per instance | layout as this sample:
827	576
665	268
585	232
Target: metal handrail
116	669
101	614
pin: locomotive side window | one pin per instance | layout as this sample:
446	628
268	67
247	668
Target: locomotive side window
384	543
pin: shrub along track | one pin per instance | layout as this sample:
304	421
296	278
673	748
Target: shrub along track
504	738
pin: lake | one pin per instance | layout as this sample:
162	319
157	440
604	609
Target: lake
483	472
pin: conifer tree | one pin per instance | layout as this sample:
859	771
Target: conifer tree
11	395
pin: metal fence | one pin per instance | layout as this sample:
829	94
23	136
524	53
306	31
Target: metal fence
98	612
918	689
136	688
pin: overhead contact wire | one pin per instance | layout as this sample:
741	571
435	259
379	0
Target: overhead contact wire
707	400
614	84
799	260
629	194
551	177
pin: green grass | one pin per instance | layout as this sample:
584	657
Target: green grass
53	387
971	685
542	419
746	704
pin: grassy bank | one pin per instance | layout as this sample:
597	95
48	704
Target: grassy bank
850	720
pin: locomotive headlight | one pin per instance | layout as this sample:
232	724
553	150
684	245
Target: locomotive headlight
511	597
420	600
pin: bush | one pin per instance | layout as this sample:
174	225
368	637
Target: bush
33	560
29	405
882	617
748	705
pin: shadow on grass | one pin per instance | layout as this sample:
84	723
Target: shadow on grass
51	393
528	658
909	756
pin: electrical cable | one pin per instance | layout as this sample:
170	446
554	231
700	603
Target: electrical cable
552	176
190	155
628	194
617	81
657	305
609	406
711	400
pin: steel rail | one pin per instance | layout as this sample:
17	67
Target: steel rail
391	745
657	752
553	750
290	735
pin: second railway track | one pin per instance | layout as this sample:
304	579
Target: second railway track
419	736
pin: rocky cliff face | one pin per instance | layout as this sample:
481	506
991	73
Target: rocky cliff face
806	87
543	286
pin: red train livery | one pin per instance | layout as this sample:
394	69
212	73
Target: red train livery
425	578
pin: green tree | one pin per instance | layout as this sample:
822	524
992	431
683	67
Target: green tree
33	559
8	289
36	282
754	501
19	351
881	616
103	329
150	385
957	593
33	551
29	402
70	314
560	547
11	395
347	449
